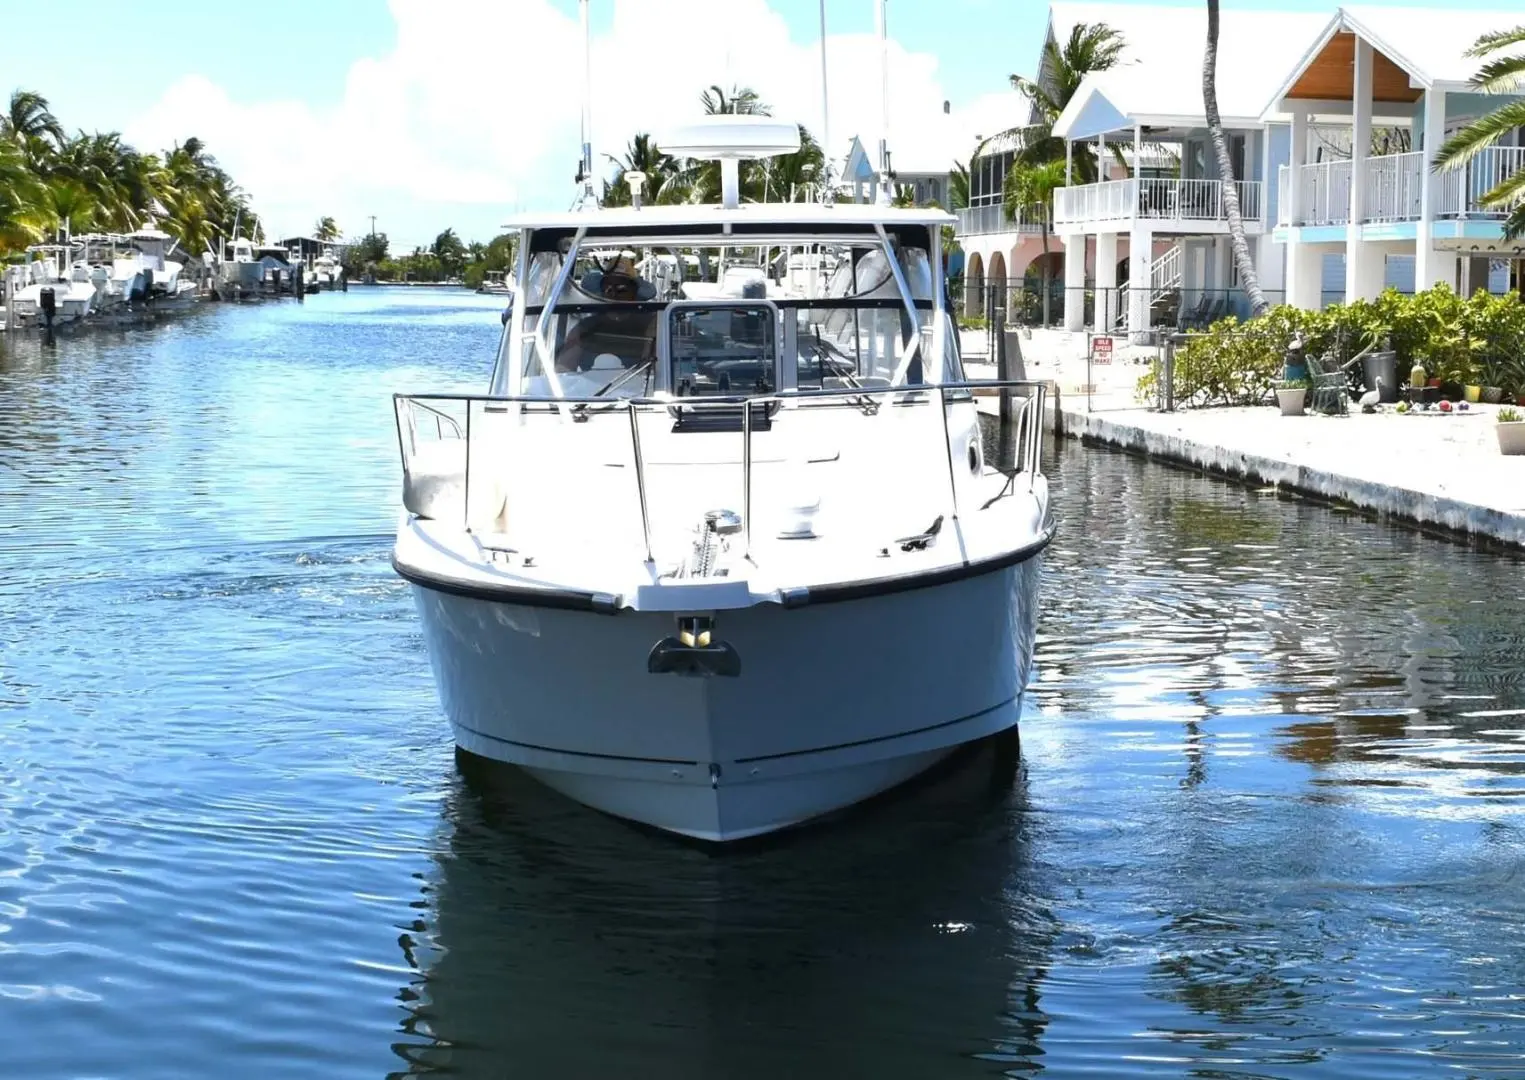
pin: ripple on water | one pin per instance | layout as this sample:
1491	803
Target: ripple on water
1265	821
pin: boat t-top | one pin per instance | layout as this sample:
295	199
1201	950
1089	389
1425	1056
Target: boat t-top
718	550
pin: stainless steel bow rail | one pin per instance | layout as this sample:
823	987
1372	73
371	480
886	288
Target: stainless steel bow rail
1029	421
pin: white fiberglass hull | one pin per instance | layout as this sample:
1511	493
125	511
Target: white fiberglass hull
834	702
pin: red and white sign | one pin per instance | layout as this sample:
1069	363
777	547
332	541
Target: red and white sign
1101	350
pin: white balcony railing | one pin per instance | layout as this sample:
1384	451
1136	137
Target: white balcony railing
1324	193
1392	185
991	218
1462	190
1106	201
1153	199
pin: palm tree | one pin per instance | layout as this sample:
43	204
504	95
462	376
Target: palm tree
450	252
1506	75
742	100
1029	191
30	124
1090	47
68	202
643	156
22	218
958	187
326	229
792	177
1248	279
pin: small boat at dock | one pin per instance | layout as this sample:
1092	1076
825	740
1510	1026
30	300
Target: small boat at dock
327	271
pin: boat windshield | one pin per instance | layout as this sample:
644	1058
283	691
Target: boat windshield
813	316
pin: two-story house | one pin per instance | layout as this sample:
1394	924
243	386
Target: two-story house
1158	239
1355	222
1305	100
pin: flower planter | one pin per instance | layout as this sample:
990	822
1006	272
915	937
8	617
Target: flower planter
1473	392
1292	401
1511	437
1492	395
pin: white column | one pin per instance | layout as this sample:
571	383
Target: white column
1305	276
1069	162
1293	255
1262	144
1360	130
1074	281
1431	267
1364	263
1297	160
1101	158
1140	263
1138	148
1106	282
1270	267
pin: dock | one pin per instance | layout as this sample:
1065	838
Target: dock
1441	472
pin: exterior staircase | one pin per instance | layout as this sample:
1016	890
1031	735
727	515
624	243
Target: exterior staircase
1165	287
1164	293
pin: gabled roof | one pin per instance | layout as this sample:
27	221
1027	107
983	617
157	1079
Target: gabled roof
855	166
1428	45
1159	81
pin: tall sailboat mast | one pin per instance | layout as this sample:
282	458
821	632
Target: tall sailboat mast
885	197
585	167
826	171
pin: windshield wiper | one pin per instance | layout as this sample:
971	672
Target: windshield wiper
580	412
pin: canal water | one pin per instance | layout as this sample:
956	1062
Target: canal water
1266	820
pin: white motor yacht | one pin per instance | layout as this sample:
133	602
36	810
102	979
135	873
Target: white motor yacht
150	257
52	280
240	271
327	271
497	283
724	564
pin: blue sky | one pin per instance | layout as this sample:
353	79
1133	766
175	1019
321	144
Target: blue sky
443	112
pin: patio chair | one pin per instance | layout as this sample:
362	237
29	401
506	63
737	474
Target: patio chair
1191	318
1331	383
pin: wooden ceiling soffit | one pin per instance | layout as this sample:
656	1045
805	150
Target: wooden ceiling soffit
1330	76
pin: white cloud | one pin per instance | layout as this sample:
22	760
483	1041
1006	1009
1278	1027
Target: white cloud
458	128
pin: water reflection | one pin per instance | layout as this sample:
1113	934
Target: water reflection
1268	820
907	939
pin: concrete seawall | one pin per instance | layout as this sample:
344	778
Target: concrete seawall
1443	473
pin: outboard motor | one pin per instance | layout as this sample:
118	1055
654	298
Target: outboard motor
148	283
47	303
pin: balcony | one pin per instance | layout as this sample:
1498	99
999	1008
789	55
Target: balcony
991	218
1391	188
1165	205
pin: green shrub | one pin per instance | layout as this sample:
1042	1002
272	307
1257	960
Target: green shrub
1228	364
1477	340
